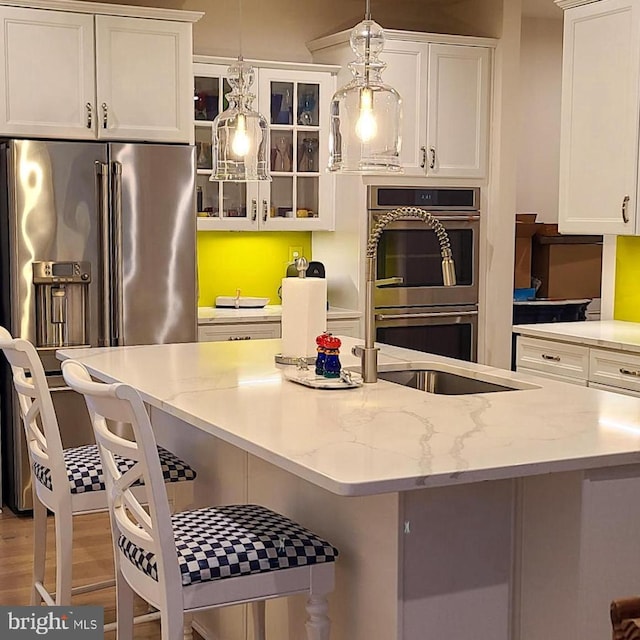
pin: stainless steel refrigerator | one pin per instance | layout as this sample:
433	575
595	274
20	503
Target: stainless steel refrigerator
97	248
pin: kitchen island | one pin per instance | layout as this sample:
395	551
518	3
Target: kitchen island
499	515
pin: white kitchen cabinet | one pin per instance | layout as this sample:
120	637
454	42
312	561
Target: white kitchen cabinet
444	82
144	79
240	331
295	101
349	328
77	75
599	118
47	73
608	369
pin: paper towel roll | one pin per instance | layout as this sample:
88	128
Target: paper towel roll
304	315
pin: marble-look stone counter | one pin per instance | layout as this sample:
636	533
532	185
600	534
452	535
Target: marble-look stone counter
608	334
269	313
381	437
495	516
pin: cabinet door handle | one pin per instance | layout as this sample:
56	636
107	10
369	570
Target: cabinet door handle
105	115
254	210
546	356
432	164
89	115
264	210
629	372
423	162
625	204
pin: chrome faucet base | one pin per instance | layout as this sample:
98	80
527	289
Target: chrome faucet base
369	362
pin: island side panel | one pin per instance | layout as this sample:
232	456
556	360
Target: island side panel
580	549
364	604
457	562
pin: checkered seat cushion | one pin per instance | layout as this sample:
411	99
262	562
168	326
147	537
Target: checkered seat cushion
84	469
224	542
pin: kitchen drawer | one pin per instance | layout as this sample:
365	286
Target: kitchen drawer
615	369
349	328
243	331
564	360
552	376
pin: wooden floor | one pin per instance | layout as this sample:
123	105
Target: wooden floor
93	562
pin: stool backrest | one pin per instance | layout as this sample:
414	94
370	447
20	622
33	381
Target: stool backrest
149	529
37	412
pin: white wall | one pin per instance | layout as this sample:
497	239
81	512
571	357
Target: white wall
539	119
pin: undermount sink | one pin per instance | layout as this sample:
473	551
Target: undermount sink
443	382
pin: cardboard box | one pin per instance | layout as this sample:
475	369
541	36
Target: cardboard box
525	229
569	267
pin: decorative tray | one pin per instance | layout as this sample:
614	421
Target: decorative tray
308	378
231	302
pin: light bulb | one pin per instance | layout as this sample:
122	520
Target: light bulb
241	141
366	126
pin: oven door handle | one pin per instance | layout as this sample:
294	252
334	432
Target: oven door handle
433	314
456	218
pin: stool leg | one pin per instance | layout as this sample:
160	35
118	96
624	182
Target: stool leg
187	629
318	623
257	610
39	547
124	608
64	554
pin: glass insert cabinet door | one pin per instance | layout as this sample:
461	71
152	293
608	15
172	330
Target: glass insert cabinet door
296	105
220	205
300	194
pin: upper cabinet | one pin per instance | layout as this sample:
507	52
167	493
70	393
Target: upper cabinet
295	101
76	75
445	86
599	121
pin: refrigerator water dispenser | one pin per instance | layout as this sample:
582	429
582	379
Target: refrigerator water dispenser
61	293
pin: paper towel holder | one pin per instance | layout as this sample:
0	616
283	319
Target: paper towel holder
301	264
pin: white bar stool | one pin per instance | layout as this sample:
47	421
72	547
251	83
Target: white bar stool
198	559
68	482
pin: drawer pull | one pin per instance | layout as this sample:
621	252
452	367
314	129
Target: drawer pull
546	356
233	338
629	372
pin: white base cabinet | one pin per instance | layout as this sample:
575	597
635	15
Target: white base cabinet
606	369
266	330
77	75
599	118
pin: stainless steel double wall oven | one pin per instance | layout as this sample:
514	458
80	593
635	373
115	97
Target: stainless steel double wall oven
413	308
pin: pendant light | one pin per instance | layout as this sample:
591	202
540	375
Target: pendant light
240	135
366	114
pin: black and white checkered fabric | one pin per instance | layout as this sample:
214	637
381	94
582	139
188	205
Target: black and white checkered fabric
223	542
84	469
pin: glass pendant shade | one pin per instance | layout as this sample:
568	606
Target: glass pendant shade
366	114
240	137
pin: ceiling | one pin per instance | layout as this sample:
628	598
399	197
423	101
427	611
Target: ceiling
541	9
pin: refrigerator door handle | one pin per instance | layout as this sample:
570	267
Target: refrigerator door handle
102	176
117	310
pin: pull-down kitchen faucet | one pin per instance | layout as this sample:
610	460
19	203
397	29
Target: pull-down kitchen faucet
369	353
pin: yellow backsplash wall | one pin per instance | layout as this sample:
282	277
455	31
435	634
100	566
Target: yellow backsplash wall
627	295
254	262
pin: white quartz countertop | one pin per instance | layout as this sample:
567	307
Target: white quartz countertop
608	334
380	437
270	313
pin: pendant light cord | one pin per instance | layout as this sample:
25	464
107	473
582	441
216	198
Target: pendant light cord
367	51
240	27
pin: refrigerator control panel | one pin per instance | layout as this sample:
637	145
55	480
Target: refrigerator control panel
61	272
